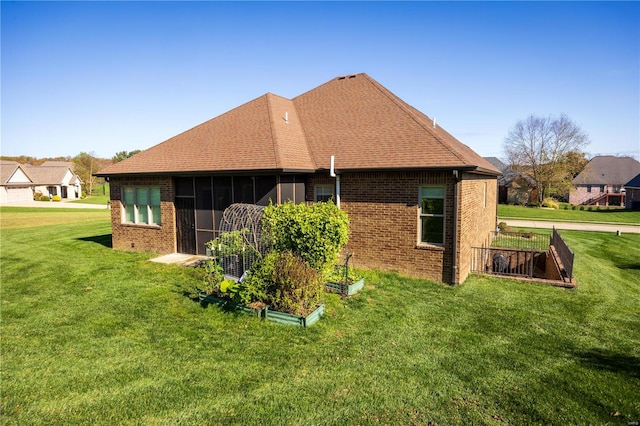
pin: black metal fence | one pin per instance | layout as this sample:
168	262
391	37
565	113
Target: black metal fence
564	252
505	261
523	240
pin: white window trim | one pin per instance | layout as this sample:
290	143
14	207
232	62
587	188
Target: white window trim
137	207
322	186
421	243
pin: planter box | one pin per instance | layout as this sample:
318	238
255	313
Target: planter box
345	289
231	306
284	318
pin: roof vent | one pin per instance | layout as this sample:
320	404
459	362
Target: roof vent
342	78
353	76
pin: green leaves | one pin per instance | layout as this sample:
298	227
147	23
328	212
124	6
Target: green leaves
314	232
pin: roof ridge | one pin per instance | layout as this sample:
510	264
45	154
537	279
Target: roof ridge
276	151
409	110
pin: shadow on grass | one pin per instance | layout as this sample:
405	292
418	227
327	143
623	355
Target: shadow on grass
629	266
104	240
609	361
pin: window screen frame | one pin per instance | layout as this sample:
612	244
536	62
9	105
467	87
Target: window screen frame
422	215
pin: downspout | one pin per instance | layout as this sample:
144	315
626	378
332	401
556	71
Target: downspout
456	204
332	173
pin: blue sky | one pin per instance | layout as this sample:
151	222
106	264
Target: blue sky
104	77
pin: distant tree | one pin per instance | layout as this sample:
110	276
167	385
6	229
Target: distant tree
545	149
85	166
123	155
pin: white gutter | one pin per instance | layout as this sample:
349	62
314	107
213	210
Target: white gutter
332	173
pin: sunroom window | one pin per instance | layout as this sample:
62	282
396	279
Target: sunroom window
431	222
141	205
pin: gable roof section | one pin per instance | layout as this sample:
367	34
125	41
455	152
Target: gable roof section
12	173
354	118
48	175
633	183
608	170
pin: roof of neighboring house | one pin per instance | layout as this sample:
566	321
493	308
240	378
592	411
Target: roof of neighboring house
509	174
53	163
354	118
608	170
633	183
47	175
7	170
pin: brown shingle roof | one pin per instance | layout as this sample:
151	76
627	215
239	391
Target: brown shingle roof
354	118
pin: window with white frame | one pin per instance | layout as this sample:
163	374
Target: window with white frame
431	223
141	205
323	193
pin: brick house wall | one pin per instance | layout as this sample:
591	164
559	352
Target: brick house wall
581	194
477	201
383	209
160	239
632	200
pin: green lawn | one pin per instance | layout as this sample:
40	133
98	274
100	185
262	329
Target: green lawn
597	216
92	335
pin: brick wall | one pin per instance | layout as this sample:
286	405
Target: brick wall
160	239
579	195
383	210
383	213
477	197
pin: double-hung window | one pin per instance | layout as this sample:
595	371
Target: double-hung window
431	222
323	193
141	205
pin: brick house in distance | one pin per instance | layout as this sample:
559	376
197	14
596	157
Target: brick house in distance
602	181
418	199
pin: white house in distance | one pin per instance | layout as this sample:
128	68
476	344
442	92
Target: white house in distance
20	182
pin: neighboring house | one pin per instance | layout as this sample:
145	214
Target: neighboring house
417	198
602	181
632	193
55	178
21	182
15	184
513	186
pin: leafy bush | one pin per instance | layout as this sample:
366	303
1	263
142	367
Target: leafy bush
581	207
44	198
503	227
550	203
37	195
566	207
56	198
294	286
316	233
573	207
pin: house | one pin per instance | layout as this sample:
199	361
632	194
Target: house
15	184
513	186
632	193
602	181
418	199
21	182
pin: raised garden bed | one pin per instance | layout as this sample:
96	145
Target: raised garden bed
226	304
345	289
289	319
264	311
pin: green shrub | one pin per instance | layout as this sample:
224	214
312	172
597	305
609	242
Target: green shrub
44	198
589	208
296	287
573	207
37	195
566	207
316	233
56	198
503	227
550	203
581	207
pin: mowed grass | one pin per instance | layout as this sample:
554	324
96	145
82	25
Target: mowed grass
91	335
27	217
631	217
